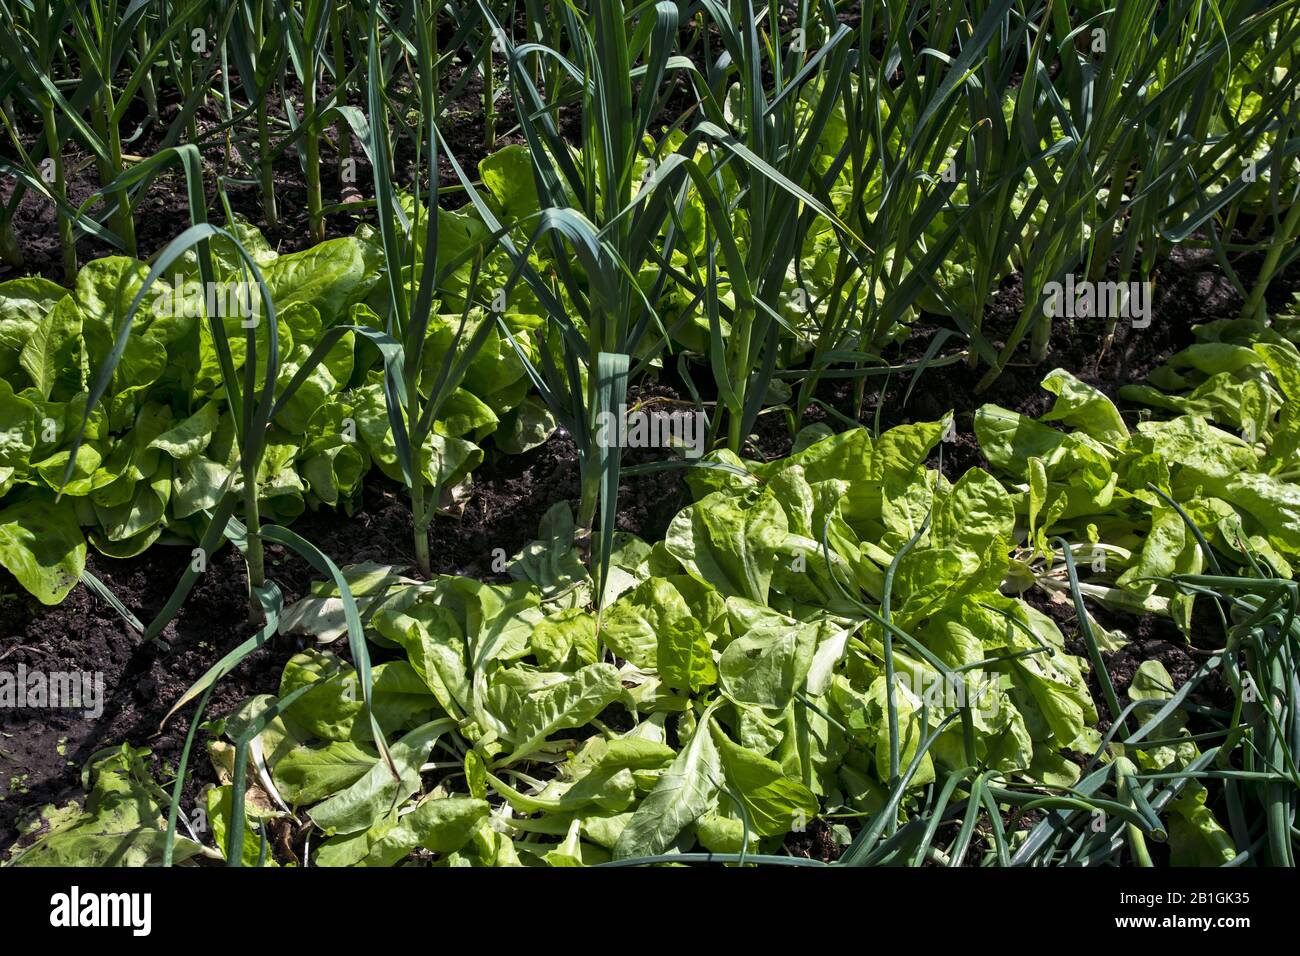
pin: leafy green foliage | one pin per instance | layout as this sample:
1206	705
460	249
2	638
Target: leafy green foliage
739	707
162	446
845	634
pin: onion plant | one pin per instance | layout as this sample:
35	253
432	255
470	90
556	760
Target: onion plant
1259	663
99	31
600	248
306	32
489	51
778	134
184	59
1239	114
600	214
413	273
258	48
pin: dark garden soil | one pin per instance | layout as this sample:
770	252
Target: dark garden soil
43	753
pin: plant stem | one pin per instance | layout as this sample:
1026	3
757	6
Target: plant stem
123	224
264	164
311	149
744	362
1040	339
61	193
311	139
489	101
590	462
590	494
421	527
147	88
340	75
1281	239
254	556
734	437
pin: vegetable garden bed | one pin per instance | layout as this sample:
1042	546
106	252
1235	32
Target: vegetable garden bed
959	579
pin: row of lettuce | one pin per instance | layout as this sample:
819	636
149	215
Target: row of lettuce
735	684
162	444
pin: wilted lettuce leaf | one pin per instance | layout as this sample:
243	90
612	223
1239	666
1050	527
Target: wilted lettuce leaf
123	823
